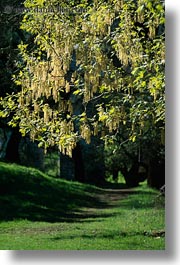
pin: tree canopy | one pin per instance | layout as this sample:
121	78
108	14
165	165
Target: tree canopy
106	56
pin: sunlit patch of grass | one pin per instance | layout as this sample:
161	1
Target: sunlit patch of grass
121	230
120	179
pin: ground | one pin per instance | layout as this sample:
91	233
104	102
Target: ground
39	212
123	219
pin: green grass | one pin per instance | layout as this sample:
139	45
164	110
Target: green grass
26	193
52	214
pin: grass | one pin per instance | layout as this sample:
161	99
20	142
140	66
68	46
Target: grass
42	213
26	193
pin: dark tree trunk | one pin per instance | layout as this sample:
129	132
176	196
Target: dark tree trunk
12	151
131	177
93	161
115	172
67	170
78	164
137	173
156	175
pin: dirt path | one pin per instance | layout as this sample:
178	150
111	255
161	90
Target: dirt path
107	199
112	196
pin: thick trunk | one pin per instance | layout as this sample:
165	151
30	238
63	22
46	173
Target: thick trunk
72	168
137	173
30	154
156	175
131	176
67	169
86	164
78	164
12	151
115	172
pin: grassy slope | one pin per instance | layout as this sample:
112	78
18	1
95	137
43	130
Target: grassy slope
56	214
28	193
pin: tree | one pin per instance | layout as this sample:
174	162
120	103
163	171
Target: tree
109	55
137	161
10	37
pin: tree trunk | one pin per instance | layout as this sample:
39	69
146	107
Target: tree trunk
115	172
12	151
67	169
156	174
78	164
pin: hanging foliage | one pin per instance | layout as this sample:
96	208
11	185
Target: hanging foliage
107	53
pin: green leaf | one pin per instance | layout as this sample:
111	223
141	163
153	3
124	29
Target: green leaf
103	117
77	92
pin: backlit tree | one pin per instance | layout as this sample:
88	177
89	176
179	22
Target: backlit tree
107	55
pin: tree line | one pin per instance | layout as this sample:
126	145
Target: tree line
95	74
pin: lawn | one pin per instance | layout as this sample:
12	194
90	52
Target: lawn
42	213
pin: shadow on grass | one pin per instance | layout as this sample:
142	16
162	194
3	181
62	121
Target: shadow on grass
112	234
52	206
29	194
26	193
115	186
